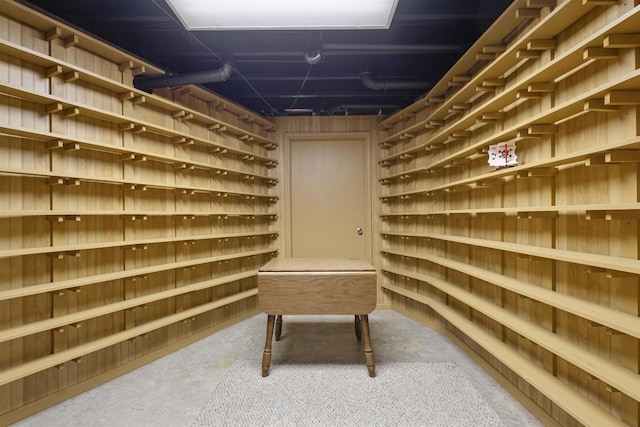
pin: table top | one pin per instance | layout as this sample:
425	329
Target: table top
316	264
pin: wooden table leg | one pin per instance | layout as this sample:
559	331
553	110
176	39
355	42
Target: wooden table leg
358	325
368	351
266	355
278	327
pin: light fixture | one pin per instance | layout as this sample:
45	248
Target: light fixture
283	14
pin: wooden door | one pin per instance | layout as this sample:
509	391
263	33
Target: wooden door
329	197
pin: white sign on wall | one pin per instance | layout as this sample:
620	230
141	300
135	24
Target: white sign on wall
503	154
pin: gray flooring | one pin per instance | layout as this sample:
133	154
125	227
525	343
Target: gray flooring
171	391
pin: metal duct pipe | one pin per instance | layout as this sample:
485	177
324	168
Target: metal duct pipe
362	107
149	83
377	83
312	58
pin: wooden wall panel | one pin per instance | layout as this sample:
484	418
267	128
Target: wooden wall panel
132	223
539	259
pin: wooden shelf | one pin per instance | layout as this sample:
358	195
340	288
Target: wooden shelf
562	79
136	215
122	274
239	133
76	118
575	157
494	35
59	30
608	211
56	139
621	378
563	395
223	104
81	316
612	263
57	359
548	28
610	318
54	66
560	112
128	244
561	65
65	179
53	105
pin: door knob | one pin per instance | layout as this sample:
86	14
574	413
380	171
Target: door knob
359	231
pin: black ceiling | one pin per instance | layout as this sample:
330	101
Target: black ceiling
270	74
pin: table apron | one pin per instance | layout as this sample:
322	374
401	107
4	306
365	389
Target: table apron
318	292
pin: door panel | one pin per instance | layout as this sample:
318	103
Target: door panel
328	198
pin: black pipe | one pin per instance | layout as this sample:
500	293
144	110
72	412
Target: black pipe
374	83
149	83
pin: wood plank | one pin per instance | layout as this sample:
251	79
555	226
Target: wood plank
64	174
133	272
564	63
626	41
562	394
316	264
140	301
45	23
515	230
111	117
612	374
317	292
627	265
33	367
129	244
573	157
77	179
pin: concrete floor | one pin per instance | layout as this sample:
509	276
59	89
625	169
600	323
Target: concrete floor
172	391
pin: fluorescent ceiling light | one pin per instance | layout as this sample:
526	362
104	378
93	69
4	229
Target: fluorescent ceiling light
283	14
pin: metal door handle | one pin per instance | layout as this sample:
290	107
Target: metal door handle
359	231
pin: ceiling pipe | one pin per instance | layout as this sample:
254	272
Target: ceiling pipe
149	83
378	83
357	109
368	48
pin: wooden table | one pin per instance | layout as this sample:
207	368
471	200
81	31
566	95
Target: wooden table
317	286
